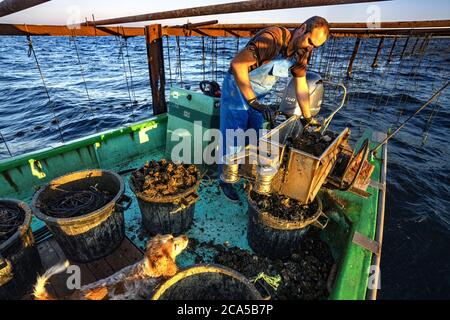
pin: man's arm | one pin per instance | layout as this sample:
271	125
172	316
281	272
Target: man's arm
240	65
302	94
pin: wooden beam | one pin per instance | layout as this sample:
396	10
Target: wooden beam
234	7
352	59
43	30
8	7
229	31
201	32
224	30
395	25
340	25
155	56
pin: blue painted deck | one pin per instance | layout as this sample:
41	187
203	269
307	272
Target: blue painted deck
216	218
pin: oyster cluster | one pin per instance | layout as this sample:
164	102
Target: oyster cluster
164	178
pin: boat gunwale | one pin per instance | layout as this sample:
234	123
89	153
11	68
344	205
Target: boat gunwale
376	257
23	159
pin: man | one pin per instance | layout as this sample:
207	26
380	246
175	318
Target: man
273	52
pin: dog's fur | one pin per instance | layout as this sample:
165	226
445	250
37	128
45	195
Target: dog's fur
132	282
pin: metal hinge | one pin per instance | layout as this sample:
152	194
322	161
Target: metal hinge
366	243
376	185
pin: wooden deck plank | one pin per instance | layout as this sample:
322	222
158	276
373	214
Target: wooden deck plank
100	269
59	281
51	254
86	275
125	255
49	258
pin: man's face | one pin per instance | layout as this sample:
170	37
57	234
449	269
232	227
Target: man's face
313	39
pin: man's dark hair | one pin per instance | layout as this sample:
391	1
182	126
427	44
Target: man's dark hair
317	22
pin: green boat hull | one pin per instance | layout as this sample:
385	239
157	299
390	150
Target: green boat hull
130	147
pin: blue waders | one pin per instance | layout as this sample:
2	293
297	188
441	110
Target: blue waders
235	113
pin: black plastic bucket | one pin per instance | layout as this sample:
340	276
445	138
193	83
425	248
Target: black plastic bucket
207	282
274	237
19	258
170	214
93	235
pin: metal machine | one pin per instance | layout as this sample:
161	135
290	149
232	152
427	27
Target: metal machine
278	165
289	104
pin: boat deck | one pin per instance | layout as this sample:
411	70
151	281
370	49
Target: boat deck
216	218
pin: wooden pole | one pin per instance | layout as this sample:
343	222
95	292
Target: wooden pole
8	7
380	46
155	56
404	48
352	59
392	50
235	7
415	44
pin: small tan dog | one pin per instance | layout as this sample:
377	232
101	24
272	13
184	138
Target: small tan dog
132	282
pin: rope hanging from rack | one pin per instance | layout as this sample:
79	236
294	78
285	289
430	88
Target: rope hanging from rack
412	75
178	69
31	52
130	69
203	59
74	39
213	58
6	144
430	120
435	95
169	60
120	42
387	67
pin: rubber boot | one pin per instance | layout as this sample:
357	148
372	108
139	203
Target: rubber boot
229	191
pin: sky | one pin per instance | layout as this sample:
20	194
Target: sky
62	12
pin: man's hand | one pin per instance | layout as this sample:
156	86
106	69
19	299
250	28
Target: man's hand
310	122
265	110
302	94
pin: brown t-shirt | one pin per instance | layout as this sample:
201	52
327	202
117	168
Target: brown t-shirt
268	43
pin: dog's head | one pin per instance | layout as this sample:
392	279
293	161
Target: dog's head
161	252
